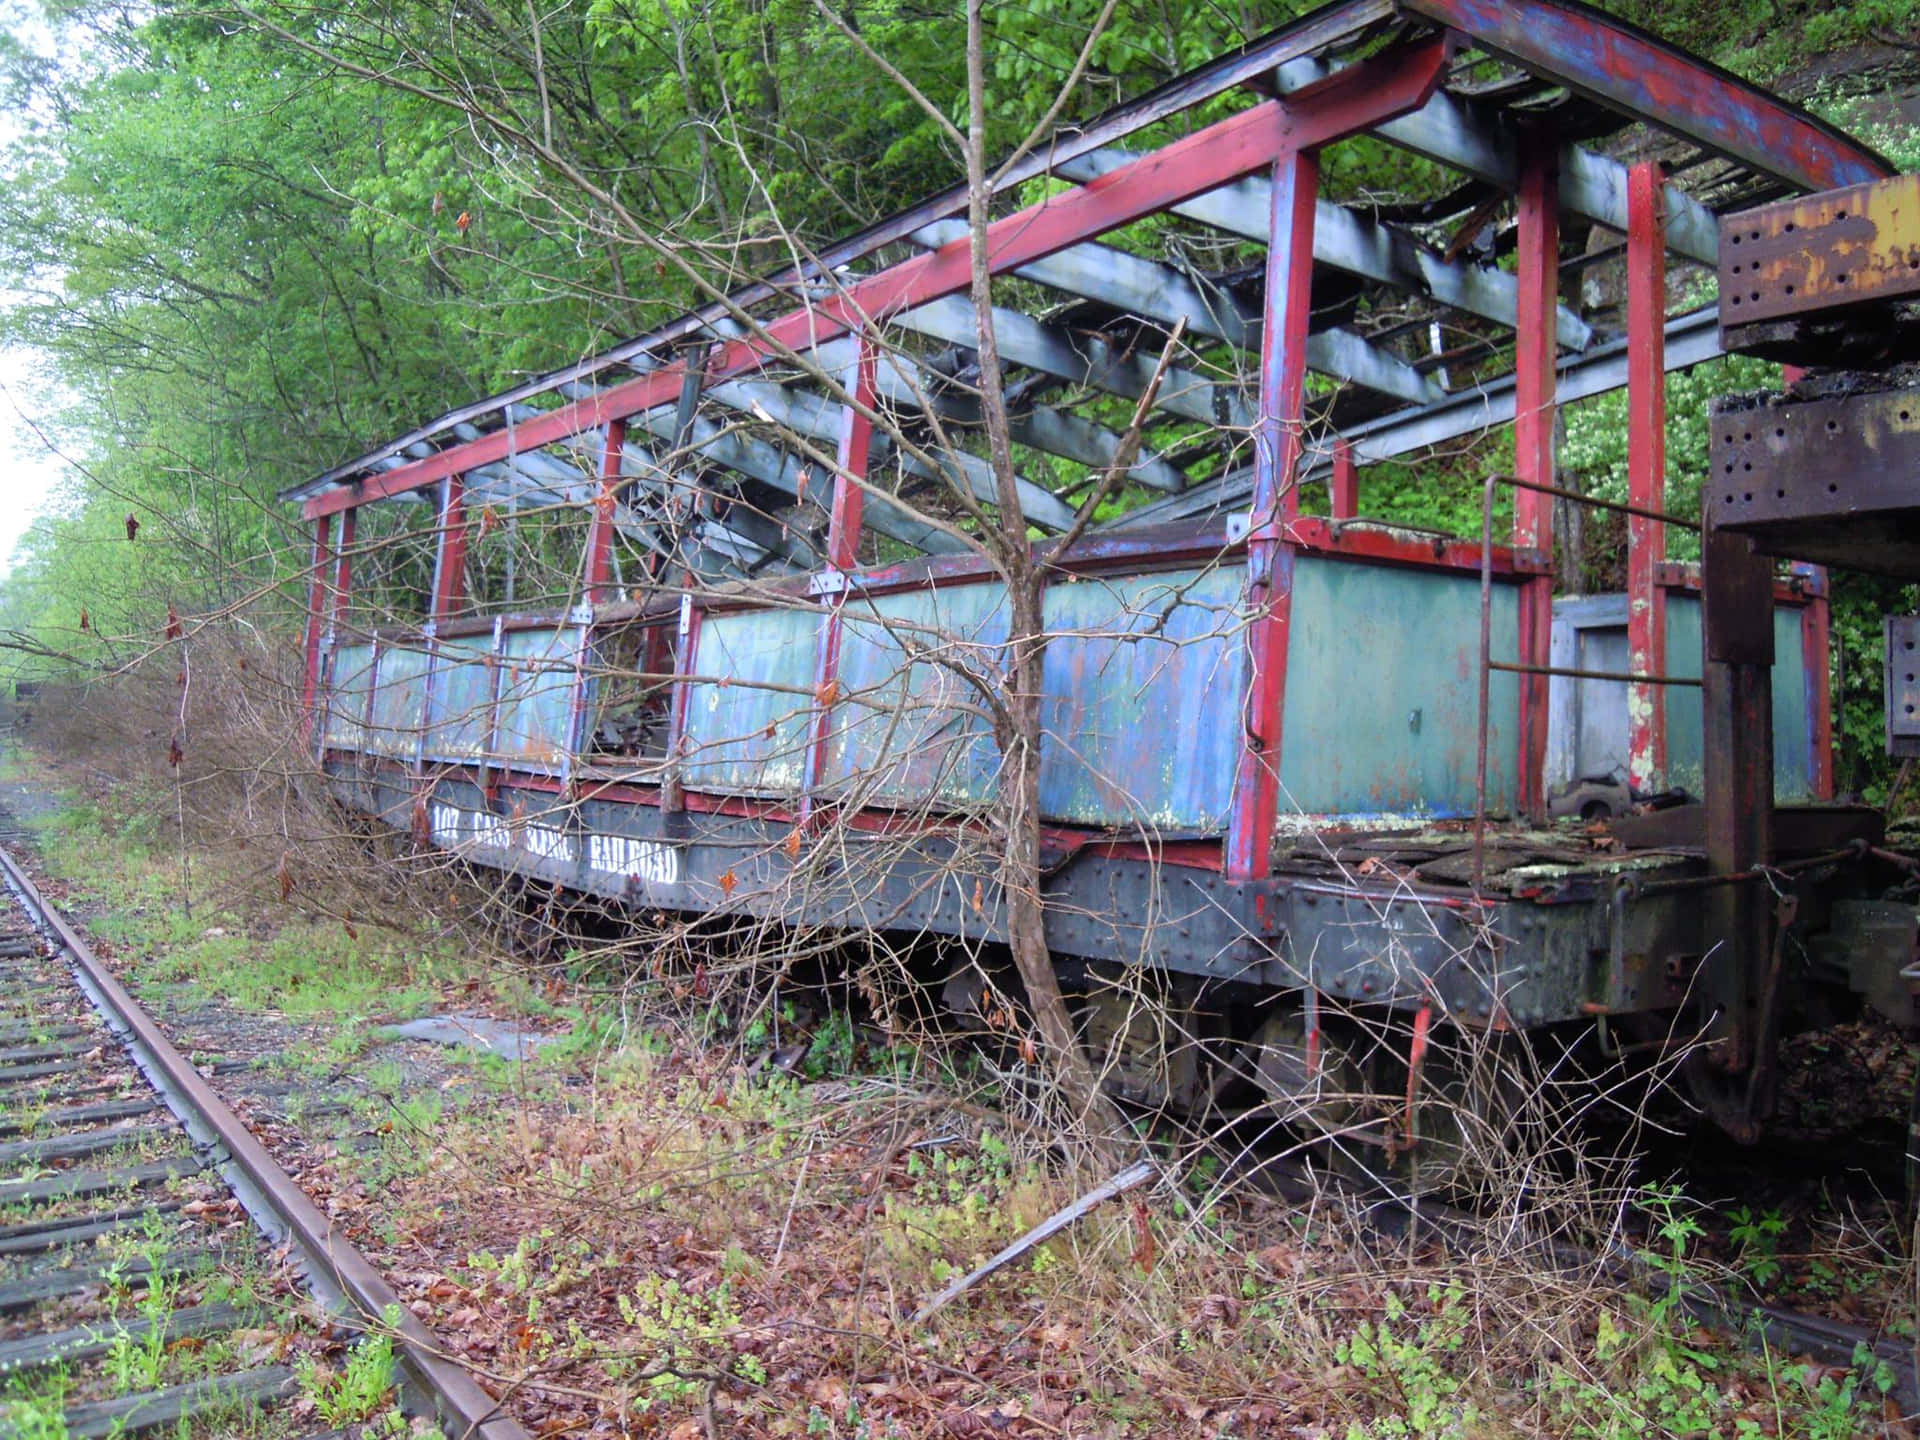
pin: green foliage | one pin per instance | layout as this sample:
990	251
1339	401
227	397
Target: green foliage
361	1389
34	1407
1418	1364
1756	1239
1594	457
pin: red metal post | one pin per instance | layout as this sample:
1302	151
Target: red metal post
1277	444
316	618
600	533
673	792
341	590
1646	472
1534	383
343	572
1346	482
1816	648
843	548
450	559
856	443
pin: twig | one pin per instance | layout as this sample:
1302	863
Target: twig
798	1181
1128	449
1137	1173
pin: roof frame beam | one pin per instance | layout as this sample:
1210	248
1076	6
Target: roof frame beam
818	418
1361	96
747	455
1476	140
733	449
1638	76
1314	33
1082	359
1163	293
1691	339
904	382
1348	242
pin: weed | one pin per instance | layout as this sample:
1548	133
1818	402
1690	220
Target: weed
833	1048
361	1389
1417	1369
135	1362
1756	1238
35	1408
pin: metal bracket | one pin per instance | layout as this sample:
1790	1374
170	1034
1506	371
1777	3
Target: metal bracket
828	582
1239	526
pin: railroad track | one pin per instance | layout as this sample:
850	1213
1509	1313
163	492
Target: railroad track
140	1221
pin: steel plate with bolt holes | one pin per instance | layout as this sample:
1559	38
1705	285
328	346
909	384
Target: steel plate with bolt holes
1841	247
1834	480
1903	684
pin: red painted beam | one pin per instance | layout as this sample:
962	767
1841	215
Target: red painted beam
1362	95
1641	77
343	574
316	620
1277	443
843	547
856	444
1346	482
1534	385
600	533
1312	535
1646	473
450	556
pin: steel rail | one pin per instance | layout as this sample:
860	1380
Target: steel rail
338	1272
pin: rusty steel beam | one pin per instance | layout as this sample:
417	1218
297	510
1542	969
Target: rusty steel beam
854	450
1737	741
600	533
450	549
1646	472
1840	248
317	607
1835	481
1831	279
1645	79
1535	407
1278	442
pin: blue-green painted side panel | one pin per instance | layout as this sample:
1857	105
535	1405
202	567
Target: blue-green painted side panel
461	715
1382	705
536	695
351	672
1792	779
906	730
1143	681
399	697
748	736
